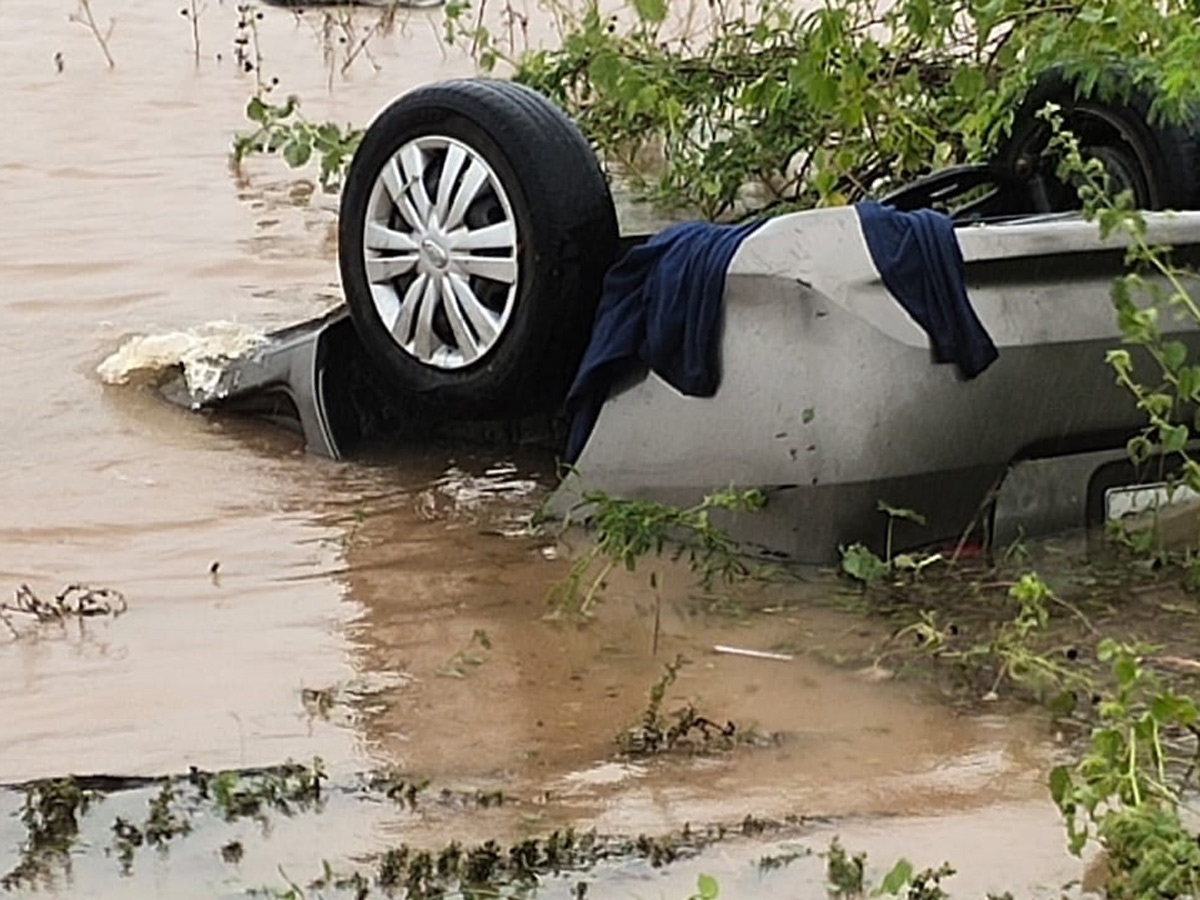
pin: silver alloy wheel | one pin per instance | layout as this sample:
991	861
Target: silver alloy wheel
440	247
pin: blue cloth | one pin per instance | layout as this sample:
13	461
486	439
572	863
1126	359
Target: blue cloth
918	257
660	307
662	302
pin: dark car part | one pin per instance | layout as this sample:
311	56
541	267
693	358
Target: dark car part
476	227
1155	160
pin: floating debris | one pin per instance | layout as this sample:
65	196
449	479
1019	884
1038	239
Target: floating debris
753	654
201	353
74	601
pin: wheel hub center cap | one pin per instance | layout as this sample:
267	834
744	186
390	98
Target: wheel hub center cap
435	253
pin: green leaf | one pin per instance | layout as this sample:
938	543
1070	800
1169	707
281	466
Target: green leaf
862	565
1064	704
1060	785
256	110
920	16
822	91
605	71
653	11
1163	708
968	82
297	153
707	887
807	415
1125	670
897	879
1120	360
1174	438
1107	650
1174	355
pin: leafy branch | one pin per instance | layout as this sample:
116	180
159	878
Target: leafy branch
1127	789
282	129
772	105
626	531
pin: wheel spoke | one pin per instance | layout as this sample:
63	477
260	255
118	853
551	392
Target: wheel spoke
486	322
380	237
385	268
451	167
387	304
467	345
496	268
412	161
423	336
408	307
472	181
394	182
501	236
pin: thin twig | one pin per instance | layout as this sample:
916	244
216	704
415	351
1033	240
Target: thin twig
657	621
361	47
988	500
84	17
195	17
1077	612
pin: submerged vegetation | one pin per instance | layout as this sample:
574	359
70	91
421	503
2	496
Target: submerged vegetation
51	815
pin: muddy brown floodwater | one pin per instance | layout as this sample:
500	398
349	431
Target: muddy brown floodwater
119	215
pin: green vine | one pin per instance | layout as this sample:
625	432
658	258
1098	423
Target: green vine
1152	302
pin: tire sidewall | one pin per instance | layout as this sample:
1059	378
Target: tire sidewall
1165	170
485	385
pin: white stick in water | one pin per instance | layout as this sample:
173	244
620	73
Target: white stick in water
754	654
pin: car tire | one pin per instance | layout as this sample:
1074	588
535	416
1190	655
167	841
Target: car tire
474	233
1156	160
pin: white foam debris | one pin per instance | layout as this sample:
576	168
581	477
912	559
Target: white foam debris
201	353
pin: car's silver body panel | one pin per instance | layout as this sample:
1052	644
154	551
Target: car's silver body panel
830	401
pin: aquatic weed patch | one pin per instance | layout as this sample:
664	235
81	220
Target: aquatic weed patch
53	809
195	808
684	729
493	868
50	814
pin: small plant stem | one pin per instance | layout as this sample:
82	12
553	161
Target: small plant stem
361	47
478	25
657	621
586	606
1076	612
1156	747
195	17
90	21
999	679
887	550
1133	779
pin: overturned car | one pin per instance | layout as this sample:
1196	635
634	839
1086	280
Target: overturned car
829	357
